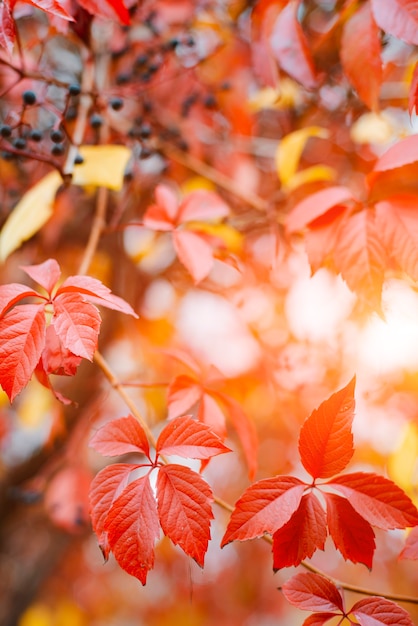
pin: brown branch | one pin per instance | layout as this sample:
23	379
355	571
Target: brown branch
119	387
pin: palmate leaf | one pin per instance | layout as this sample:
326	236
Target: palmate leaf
22	333
326	440
264	508
189	438
132	528
377	499
95	292
121	436
301	535
184	509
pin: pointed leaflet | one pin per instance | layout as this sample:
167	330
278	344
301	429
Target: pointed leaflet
326	440
96	292
403	152
245	429
183	393
7	27
189	438
100	8
377	499
290	47
321	238
194	253
289	151
77	324
398	18
315	205
184	508
56	359
12	293
132	527
375	610
104	489
318	619
301	535
164	214
361	55
22	333
53	7
210	414
120	436
410	550
360	256
352	535
264	508
312	592
45	274
202	205
397	222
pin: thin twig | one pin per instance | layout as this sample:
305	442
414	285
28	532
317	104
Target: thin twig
97	228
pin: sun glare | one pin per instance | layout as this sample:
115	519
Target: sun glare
386	346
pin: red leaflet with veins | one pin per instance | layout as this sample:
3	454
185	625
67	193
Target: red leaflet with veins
410	550
312	592
121	436
188	438
398	18
326	441
375	611
315	205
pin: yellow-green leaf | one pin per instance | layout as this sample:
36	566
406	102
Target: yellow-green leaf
103	166
310	175
30	214
290	150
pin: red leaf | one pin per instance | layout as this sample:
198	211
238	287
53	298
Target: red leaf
360	55
45	274
321	238
52	7
183	393
403	152
397	223
315	205
360	256
301	535
290	47
210	413
202	205
376	610
104	489
107	8
66	499
12	293
312	592
398	18
352	535
377	499
120	436
317	619
245	430
326	440
194	253
22	333
413	92
132	527
7	27
96	292
410	550
264	508
56	359
77	324
189	438
164	214
184	507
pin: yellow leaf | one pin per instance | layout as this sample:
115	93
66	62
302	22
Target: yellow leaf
403	462
310	175
36	615
196	183
230	237
290	150
103	166
372	128
286	96
30	214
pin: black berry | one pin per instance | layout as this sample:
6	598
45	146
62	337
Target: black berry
19	143
57	135
74	89
145	152
78	160
96	120
210	101
57	149
35	135
29	97
122	79
5	130
145	131
116	104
